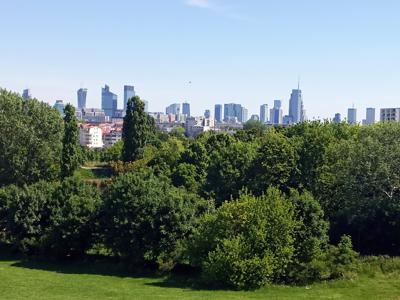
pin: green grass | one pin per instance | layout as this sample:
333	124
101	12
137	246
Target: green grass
20	279
93	173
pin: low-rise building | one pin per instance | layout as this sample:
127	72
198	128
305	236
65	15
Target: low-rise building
112	137
390	114
198	125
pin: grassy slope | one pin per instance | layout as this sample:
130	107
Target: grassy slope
35	280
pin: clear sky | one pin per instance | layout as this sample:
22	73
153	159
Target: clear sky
246	51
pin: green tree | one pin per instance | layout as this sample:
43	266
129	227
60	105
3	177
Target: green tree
71	157
247	242
227	170
138	129
358	188
30	140
73	212
275	164
144	218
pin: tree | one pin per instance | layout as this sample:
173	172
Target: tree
50	218
138	128
358	187
70	159
247	242
275	164
30	140
145	219
227	170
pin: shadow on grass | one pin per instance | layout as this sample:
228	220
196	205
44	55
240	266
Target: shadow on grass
182	277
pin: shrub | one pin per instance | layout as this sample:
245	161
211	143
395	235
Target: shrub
245	243
50	218
144	218
27	214
72	220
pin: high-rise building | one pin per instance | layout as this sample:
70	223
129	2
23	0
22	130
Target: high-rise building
287	120
244	115
276	113
207	113
352	116
173	109
146	105
232	111
390	114
218	113
296	106
186	109
60	106
264	113
82	98
337	119
370	116
26	94
109	101
129	92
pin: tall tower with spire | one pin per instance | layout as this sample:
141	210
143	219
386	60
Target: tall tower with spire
296	109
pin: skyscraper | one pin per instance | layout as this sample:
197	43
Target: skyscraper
109	101
173	109
352	116
264	113
218	113
276	113
129	92
26	94
232	111
82	98
60	106
296	106
245	115
186	109
207	113
370	116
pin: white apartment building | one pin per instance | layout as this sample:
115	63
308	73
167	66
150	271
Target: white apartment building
91	136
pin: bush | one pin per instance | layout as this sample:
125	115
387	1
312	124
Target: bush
72	219
245	243
26	212
144	218
49	218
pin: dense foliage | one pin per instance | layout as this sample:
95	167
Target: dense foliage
50	218
30	140
145	218
137	130
70	158
278	199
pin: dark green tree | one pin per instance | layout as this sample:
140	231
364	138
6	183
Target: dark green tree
30	140
144	218
71	157
275	164
138	129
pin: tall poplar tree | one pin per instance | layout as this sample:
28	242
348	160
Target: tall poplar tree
70	152
137	129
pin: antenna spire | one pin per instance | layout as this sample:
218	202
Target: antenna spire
298	82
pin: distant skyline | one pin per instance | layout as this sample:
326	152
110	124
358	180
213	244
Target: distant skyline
206	52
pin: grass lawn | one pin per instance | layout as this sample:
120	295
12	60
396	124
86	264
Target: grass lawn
21	279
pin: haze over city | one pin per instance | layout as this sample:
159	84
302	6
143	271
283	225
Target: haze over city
206	52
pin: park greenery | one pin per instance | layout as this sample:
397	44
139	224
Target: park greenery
266	205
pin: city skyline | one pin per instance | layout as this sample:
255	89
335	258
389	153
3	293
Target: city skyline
225	52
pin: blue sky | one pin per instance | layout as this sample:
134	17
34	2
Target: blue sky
247	51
